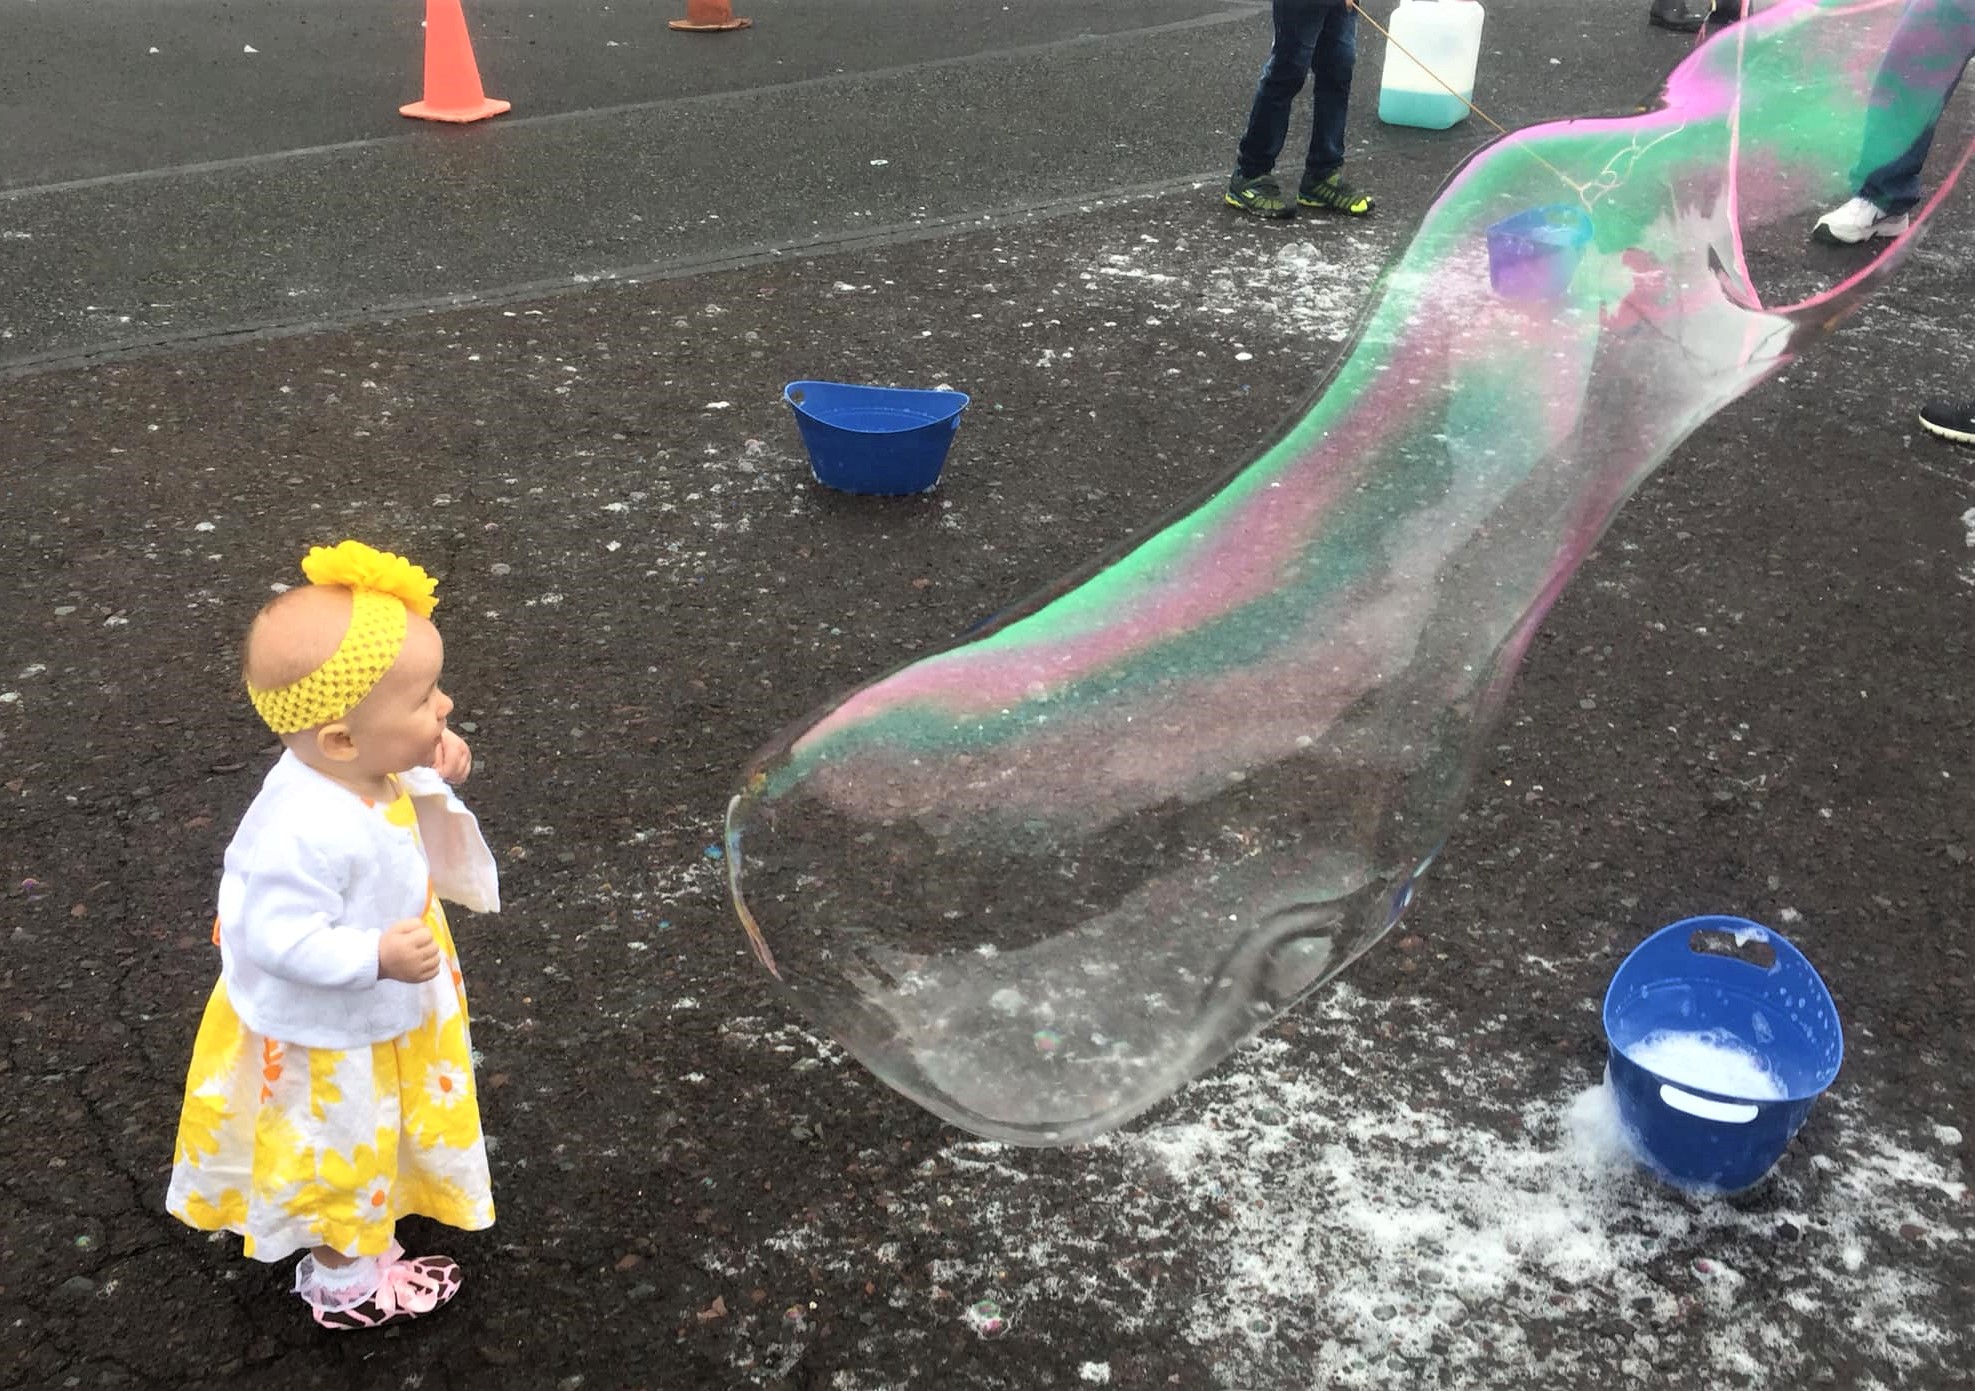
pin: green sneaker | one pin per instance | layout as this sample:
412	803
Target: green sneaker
1260	196
1333	195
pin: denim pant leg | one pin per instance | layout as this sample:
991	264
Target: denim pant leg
1297	26
1894	187
1924	62
1330	94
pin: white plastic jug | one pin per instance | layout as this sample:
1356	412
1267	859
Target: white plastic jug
1445	37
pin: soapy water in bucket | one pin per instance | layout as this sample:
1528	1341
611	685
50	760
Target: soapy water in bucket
1713	1061
1142	813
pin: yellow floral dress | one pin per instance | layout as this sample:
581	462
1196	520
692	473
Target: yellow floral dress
297	1147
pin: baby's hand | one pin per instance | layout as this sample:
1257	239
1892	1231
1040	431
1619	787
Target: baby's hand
407	952
455	759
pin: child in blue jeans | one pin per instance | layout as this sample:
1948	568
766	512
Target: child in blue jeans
1313	39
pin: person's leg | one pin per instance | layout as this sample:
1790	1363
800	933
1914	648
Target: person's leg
355	1275
1894	187
1297	23
330	1281
1922	65
1924	62
1334	56
1322	186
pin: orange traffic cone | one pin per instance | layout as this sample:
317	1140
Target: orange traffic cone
709	17
452	79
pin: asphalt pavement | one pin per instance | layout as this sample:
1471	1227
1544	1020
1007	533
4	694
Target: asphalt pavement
281	190
244	305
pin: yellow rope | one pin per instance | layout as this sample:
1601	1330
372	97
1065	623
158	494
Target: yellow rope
1580	189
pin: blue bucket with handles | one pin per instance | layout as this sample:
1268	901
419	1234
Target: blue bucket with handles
1694	979
881	440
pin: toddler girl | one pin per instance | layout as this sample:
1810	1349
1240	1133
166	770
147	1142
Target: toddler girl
331	1087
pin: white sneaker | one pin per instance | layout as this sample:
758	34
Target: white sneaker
1858	221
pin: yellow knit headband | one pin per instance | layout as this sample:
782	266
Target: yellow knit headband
384	590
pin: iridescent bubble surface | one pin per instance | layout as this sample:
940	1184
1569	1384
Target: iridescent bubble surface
1038	880
986	1319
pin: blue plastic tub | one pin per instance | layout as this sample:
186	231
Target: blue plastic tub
882	440
1533	255
1780	1015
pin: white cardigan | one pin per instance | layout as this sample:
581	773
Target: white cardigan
312	878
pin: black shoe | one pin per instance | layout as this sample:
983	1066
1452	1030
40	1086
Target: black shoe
1674	15
1332	194
1687	16
1260	196
1951	420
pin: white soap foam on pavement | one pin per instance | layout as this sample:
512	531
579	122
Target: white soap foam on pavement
1385	1201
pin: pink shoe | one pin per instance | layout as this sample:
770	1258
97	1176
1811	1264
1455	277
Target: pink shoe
405	1290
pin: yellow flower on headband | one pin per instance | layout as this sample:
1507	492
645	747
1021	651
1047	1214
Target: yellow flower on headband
359	566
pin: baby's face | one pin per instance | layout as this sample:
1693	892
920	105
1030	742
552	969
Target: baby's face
398	725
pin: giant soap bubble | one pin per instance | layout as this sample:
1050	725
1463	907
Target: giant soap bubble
1038	880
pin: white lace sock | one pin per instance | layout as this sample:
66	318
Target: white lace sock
332	1287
